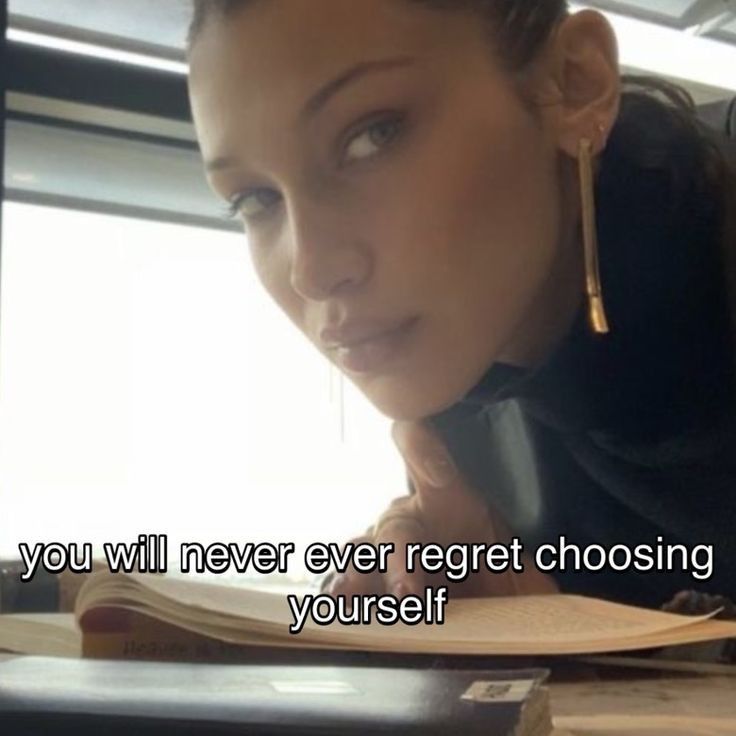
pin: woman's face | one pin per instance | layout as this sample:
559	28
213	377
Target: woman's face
402	205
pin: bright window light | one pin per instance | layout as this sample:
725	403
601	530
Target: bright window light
670	52
99	52
149	385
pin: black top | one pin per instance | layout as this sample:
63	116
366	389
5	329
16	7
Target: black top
626	437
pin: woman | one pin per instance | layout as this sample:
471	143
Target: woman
419	181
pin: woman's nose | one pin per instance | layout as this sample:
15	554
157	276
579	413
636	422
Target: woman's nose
326	258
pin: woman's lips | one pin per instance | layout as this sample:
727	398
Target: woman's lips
370	354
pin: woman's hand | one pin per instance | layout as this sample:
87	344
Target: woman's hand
443	509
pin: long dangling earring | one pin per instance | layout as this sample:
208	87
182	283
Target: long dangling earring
596	309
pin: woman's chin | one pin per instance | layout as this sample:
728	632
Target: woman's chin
404	401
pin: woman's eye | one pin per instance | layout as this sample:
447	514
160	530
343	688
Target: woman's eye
253	204
372	139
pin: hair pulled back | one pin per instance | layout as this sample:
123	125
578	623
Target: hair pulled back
519	27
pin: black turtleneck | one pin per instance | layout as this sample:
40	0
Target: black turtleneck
621	438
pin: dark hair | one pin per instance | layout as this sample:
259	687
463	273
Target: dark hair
520	27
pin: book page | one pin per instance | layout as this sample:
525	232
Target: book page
206	601
530	624
553	618
44	634
526	624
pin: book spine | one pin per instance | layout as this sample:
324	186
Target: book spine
114	633
137	646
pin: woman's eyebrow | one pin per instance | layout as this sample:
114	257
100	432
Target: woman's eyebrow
320	98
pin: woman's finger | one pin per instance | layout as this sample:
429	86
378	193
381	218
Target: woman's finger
424	453
400	526
435	479
351	582
451	509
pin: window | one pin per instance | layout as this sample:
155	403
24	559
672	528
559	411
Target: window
149	385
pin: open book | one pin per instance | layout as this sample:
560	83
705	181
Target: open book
42	634
137	616
144	616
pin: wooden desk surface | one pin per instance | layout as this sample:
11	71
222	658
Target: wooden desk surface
641	705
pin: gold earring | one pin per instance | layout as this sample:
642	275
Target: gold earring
596	309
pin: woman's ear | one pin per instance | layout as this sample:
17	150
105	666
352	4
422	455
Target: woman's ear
581	66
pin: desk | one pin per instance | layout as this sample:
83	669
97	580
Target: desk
596	700
634	704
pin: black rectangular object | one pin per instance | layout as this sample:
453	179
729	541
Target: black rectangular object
53	696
